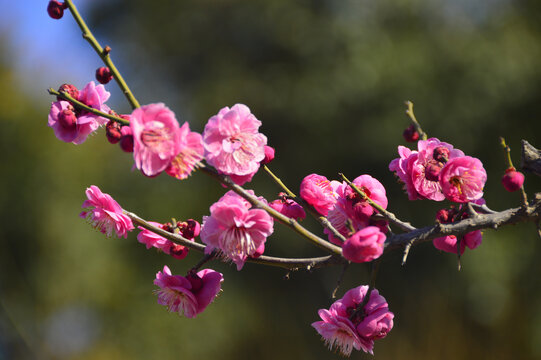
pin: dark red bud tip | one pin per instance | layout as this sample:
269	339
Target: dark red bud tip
432	170
444	216
67	119
126	142
269	155
512	180
112	131
441	154
70	89
103	75
410	134
190	229
55	9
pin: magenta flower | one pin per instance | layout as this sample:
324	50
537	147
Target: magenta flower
156	138
232	142
317	191
288	207
344	329
188	295
425	170
448	243
365	245
402	167
236	229
151	239
190	153
353	205
104	213
462	179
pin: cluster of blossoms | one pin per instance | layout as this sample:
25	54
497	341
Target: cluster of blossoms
345	326
350	213
438	171
237	229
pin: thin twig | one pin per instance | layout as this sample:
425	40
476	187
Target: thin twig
103	53
339	282
287	263
416	125
80	105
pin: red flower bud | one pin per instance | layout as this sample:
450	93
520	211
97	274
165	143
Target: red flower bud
512	180
55	9
441	154
410	134
67	118
103	75
112	131
126	141
432	170
70	89
269	155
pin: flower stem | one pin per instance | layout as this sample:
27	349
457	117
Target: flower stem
507	150
416	125
82	106
103	53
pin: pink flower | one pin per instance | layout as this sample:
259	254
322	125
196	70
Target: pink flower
151	239
448	243
353	205
236	229
432	156
71	125
190	153
512	180
402	167
365	245
188	295
288	207
104	213
345	329
232	142
462	179
156	137
317	191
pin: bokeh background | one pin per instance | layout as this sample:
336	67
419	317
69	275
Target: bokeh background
328	80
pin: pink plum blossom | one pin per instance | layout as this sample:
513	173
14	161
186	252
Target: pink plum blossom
104	213
156	138
365	245
317	191
288	207
432	156
190	153
232	142
354	205
189	295
448	243
81	123
402	167
462	179
345	329
236	229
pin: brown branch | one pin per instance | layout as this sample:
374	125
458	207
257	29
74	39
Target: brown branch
531	158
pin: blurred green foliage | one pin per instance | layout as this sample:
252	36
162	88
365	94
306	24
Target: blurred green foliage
328	80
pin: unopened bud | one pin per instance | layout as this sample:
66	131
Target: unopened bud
444	216
190	229
410	134
67	118
70	89
441	154
432	170
126	141
269	155
103	75
512	180
113	132
55	9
